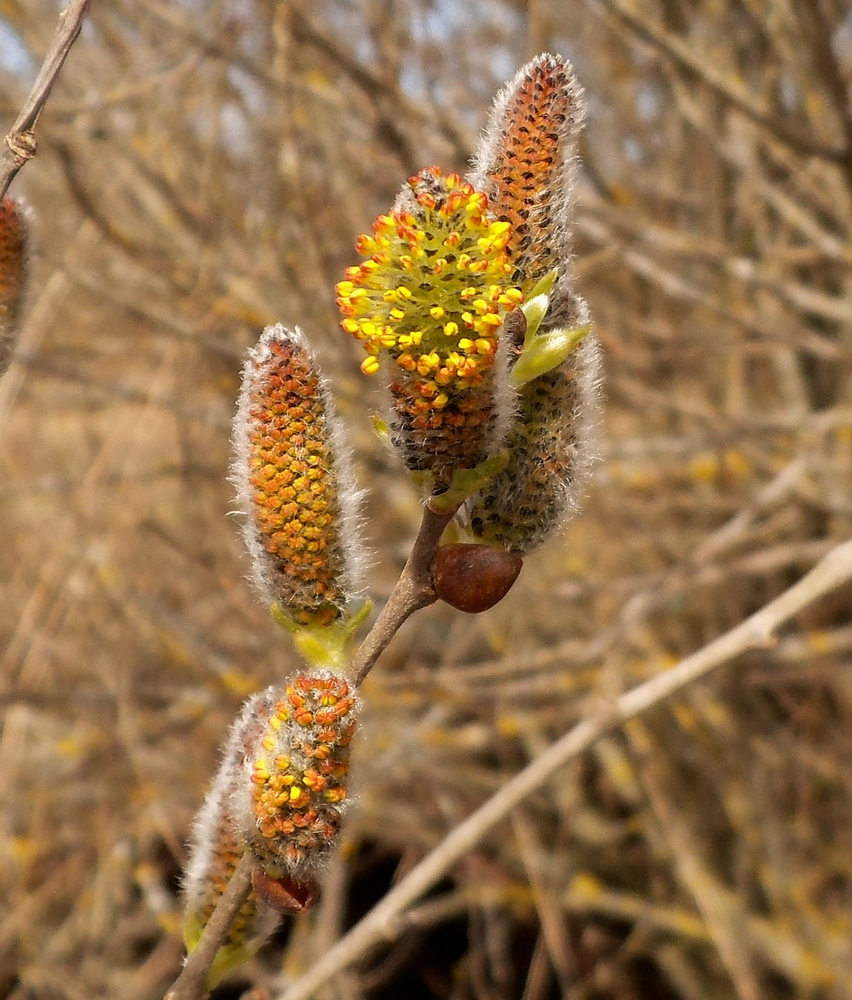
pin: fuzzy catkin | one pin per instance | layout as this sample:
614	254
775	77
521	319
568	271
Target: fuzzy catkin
527	165
290	803
14	271
294	483
217	847
429	299
551	451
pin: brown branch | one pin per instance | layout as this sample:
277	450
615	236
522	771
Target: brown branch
412	591
20	143
383	922
191	984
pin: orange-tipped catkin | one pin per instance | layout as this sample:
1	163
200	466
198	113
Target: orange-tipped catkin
294	483
551	451
216	848
280	793
13	276
293	793
431	296
527	164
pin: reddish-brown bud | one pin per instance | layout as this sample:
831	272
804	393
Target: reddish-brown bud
285	895
474	578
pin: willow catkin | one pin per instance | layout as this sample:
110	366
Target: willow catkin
431	296
14	272
294	483
527	165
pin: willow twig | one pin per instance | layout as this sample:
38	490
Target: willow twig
412	591
383	922
20	144
191	984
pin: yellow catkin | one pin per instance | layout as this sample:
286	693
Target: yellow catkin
431	296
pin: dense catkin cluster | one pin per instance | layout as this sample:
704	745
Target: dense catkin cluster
431	296
291	804
293	482
481	381
13	275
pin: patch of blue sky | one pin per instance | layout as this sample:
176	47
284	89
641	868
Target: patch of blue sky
252	92
445	23
15	57
235	128
647	102
633	150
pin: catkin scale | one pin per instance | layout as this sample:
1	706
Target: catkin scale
285	895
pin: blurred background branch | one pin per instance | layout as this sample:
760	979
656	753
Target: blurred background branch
20	143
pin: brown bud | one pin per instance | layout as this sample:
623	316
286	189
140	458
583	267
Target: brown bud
473	578
285	895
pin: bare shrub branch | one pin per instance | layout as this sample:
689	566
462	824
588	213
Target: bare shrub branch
20	142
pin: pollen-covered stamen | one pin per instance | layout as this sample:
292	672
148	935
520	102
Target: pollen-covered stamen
432	292
292	482
432	295
297	768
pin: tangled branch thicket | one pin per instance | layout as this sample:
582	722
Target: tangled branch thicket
203	169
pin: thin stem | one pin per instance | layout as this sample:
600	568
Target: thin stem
413	590
20	143
191	984
384	922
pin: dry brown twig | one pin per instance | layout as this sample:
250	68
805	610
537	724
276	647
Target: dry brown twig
673	49
20	142
191	982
